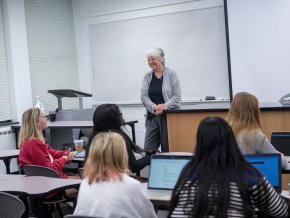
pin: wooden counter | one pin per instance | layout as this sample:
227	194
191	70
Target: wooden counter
182	124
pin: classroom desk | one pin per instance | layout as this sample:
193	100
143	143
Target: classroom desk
182	124
7	155
35	187
58	125
157	197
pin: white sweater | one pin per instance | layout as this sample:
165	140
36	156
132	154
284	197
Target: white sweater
114	199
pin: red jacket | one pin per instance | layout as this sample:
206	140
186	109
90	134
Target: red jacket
35	152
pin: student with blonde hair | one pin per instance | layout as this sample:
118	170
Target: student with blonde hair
33	149
107	190
244	118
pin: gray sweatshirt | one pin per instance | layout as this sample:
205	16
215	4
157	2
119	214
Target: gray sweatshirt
257	143
171	90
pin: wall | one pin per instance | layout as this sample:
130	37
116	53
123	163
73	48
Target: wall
259	47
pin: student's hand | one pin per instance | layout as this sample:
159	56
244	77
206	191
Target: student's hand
282	155
68	157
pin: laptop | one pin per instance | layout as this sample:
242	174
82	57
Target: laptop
165	170
281	141
269	165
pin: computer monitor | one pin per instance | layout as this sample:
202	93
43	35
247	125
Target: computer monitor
281	141
269	165
165	170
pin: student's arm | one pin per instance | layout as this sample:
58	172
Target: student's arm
134	164
55	153
265	147
267	200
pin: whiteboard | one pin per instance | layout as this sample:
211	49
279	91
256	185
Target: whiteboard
259	37
194	43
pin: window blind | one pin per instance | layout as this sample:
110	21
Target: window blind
52	50
5	105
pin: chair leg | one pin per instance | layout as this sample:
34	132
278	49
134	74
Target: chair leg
59	209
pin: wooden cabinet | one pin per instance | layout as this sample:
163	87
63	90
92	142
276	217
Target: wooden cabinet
182	125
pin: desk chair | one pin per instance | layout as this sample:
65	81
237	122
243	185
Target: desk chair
58	198
10	206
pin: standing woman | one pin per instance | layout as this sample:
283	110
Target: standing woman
33	149
219	182
160	91
244	118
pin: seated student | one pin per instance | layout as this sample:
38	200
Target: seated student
244	118
108	117
33	149
218	182
107	190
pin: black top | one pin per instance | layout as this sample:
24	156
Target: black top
135	165
155	92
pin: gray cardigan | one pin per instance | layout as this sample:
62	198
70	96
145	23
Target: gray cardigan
171	90
257	143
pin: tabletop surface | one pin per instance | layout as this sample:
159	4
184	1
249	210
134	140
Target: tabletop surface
158	195
35	186
9	153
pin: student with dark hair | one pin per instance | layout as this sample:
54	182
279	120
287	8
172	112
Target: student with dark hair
218	182
109	117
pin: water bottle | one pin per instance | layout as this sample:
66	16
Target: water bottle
39	105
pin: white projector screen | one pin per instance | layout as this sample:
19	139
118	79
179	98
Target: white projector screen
259	37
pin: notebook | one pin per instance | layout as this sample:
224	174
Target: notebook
165	170
281	141
269	165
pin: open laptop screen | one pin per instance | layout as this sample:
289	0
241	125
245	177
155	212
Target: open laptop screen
165	170
269	165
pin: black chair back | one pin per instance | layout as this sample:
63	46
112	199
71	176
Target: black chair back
34	170
10	206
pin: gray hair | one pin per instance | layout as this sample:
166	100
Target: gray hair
156	52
